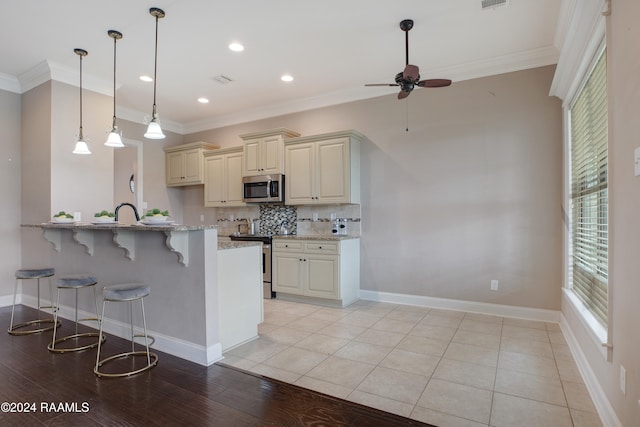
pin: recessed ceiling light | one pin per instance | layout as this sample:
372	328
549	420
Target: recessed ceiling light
146	78
236	47
203	100
286	78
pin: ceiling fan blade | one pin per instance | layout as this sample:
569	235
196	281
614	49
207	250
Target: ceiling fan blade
411	72
403	94
382	84
434	83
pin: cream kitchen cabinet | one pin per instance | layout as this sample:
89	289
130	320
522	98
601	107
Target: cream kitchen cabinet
325	269
184	163
323	169
223	178
264	152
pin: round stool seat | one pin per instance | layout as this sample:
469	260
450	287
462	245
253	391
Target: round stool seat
126	291
35	273
40	323
75	281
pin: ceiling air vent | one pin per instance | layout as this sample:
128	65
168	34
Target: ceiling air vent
222	79
491	4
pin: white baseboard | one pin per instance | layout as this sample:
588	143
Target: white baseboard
600	401
7	300
527	313
175	346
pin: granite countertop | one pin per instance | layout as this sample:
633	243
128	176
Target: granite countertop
312	237
112	226
234	245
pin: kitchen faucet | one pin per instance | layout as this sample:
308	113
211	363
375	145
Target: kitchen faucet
135	211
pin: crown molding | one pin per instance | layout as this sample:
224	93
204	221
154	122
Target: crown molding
9	83
467	71
584	35
501	64
48	70
143	118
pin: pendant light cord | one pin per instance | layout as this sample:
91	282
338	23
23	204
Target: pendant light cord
155	69
114	81
81	136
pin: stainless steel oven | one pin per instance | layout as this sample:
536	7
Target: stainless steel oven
263	189
266	259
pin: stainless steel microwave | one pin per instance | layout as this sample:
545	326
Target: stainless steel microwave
263	189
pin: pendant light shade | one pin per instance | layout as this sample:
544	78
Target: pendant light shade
114	139
81	145
154	131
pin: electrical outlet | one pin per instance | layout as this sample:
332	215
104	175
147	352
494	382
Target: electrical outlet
494	285
201	218
623	380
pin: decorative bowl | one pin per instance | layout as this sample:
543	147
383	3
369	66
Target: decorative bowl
62	220
104	219
155	218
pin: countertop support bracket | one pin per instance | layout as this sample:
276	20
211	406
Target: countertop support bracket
177	237
85	238
178	242
54	237
125	240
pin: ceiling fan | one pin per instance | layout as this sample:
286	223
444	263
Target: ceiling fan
410	77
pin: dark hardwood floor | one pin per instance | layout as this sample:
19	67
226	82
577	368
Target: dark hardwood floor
61	390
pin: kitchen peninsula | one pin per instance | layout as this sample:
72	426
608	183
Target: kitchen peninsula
206	297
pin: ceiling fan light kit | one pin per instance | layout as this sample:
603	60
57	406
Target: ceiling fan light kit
409	78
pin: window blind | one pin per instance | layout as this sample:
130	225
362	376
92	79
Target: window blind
589	231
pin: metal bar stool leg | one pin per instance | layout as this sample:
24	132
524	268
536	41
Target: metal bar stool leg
127	293
19	329
76	283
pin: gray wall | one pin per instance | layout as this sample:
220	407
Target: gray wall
10	188
472	192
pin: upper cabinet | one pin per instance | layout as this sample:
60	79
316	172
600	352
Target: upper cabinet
184	163
223	178
323	169
264	153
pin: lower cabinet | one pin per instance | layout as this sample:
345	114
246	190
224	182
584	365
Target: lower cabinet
317	268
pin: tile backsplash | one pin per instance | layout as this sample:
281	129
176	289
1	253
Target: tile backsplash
318	220
274	216
303	220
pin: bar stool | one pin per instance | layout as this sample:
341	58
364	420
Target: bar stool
128	292
76	282
32	273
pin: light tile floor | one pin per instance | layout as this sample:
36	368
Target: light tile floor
446	368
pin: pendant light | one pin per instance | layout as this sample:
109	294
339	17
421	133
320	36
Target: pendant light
114	139
81	144
154	131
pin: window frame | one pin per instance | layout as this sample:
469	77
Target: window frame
599	333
